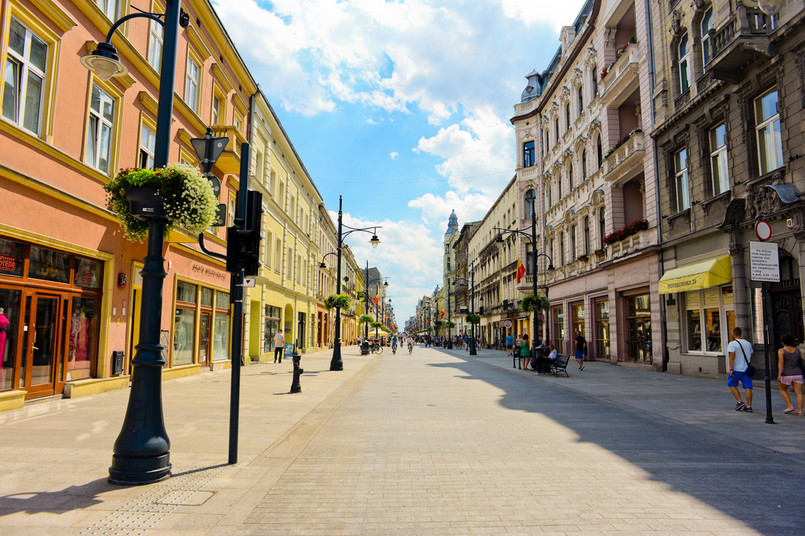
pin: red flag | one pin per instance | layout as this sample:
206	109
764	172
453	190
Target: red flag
377	299
442	315
520	270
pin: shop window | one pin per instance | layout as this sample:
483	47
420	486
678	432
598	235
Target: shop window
185	292
183	336
12	258
559	329
639	341
718	159
49	265
578	320
704	321
769	140
271	326
84	334
206	297
220	345
26	64
602	329
100	129
87	273
10	306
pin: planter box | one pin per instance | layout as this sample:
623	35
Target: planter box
145	203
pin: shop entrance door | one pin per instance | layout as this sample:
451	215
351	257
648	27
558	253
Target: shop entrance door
205	344
40	342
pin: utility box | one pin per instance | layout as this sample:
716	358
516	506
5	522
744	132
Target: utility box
117	362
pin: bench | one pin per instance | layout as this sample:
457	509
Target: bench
560	365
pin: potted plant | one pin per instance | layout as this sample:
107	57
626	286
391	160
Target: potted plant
473	318
178	194
363	319
601	252
535	303
583	258
341	301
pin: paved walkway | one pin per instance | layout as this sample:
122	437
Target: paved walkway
431	443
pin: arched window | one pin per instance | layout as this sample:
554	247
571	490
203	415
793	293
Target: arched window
684	64
707	25
583	164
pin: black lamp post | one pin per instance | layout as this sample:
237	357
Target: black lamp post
141	452
534	255
367	282
336	363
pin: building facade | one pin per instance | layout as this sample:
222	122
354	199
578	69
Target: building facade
582	150
729	103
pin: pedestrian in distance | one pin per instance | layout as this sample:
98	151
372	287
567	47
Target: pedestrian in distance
509	343
581	346
739	352
394	344
279	345
525	352
789	371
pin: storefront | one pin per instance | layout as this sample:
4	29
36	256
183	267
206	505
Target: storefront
201	325
50	311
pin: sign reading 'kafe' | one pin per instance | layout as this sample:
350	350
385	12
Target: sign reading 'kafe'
764	261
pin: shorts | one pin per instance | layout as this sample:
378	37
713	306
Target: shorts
579	355
788	380
739	376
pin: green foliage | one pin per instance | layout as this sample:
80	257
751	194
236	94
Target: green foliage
376	324
535	303
473	319
363	319
341	301
450	324
187	196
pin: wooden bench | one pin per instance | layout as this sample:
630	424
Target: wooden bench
560	365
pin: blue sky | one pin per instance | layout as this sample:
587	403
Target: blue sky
401	107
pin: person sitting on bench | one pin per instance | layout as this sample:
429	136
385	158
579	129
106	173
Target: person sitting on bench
544	364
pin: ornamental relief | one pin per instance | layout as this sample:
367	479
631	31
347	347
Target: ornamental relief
762	200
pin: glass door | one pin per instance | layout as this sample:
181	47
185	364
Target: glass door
42	348
205	345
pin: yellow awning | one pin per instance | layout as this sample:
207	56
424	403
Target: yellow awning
697	276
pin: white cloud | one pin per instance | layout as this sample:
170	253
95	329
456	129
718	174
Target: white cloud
394	155
555	14
408	255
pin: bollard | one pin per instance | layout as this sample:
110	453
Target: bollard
297	371
364	348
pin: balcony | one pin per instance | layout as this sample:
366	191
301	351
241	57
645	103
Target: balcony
626	160
634	243
229	161
741	40
530	173
622	78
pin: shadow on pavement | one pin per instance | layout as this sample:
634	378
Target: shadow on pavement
755	485
56	502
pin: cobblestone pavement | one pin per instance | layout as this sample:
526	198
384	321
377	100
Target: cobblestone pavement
432	443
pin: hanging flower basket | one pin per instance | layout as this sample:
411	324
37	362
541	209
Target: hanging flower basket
363	319
177	194
535	303
341	301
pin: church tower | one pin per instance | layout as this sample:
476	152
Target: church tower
449	267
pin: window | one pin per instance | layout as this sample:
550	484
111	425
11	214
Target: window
528	154
191	84
769	141
101	127
602	227
278	256
215	113
585	250
561	245
156	37
570	175
706	312
547	197
684	64
580	100
681	180
707	25
567	116
530	207
529	259
268	243
147	147
583	164
718	159
24	88
573	243
547	140
559	328
594	82
289	265
600	154
556	128
559	185
109	8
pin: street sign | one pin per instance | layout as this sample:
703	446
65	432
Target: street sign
249	282
215	182
764	261
507	324
220	216
763	230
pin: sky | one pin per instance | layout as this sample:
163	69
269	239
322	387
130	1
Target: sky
401	107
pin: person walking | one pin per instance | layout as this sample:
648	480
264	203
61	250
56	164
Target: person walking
279	345
525	352
789	372
581	346
739	352
509	343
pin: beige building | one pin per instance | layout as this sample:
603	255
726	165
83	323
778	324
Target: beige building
584	152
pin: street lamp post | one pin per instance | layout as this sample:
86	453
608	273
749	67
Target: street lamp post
534	255
336	363
141	453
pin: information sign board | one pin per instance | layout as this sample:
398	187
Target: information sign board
764	261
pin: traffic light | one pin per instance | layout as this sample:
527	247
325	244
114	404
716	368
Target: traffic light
243	245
